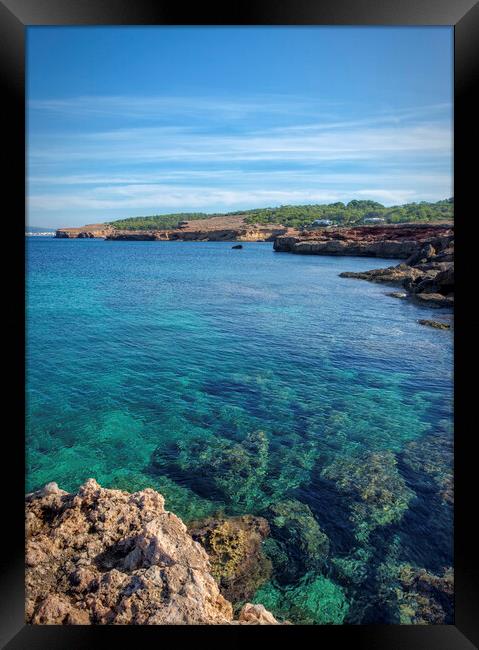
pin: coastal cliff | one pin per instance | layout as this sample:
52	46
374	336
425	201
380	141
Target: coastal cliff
207	230
240	234
105	556
391	241
398	241
85	232
427	275
214	229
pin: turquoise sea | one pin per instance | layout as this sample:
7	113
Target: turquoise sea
252	382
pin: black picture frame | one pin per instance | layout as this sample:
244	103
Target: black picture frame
15	16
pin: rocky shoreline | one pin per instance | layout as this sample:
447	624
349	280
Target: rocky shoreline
92	231
234	234
105	556
427	276
398	241
213	229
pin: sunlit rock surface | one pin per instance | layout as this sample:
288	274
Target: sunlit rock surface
110	557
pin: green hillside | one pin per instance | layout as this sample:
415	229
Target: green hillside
157	221
352	213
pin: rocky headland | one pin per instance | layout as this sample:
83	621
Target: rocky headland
102	556
426	276
226	228
91	231
399	241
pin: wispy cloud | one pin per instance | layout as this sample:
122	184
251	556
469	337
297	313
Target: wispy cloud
138	198
138	146
240	178
154	108
173	197
214	154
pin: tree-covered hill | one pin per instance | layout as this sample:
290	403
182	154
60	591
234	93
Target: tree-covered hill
297	216
157	221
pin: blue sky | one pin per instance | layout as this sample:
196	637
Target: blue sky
149	120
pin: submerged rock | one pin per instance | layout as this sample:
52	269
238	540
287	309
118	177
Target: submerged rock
297	544
424	597
235	473
380	495
109	557
432	458
313	600
220	468
234	546
238	246
418	596
352	569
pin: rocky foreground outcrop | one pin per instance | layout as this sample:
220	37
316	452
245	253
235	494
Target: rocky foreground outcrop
427	275
105	556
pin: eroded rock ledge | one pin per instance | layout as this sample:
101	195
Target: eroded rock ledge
427	275
91	231
398	241
105	556
232	228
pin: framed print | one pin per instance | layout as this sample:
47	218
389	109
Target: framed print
239	392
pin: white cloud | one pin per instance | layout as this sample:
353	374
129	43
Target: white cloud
166	197
153	198
153	145
208	164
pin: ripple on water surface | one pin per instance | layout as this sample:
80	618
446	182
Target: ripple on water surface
248	383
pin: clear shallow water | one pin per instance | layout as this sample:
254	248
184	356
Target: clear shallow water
150	364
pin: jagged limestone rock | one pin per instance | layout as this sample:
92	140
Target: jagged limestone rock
109	557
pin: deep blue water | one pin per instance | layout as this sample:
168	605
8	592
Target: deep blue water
149	364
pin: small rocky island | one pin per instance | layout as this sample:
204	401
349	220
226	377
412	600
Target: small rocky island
103	556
